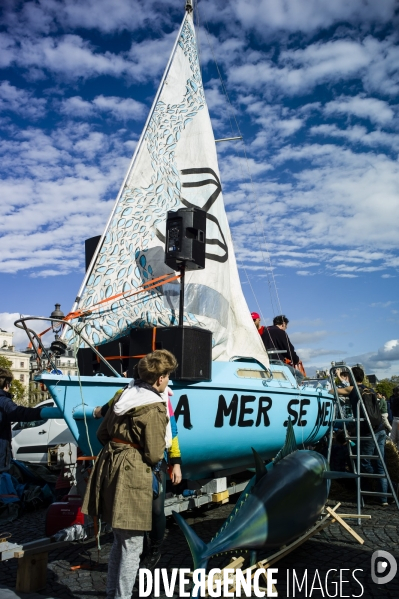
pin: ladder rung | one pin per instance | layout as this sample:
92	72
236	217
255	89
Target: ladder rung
369	457
354	438
367	475
376	493
348	420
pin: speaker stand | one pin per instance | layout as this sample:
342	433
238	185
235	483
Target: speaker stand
181	298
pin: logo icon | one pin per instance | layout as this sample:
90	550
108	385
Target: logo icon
380	560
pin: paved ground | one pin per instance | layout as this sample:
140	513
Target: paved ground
334	549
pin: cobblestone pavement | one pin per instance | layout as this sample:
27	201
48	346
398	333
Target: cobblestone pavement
332	549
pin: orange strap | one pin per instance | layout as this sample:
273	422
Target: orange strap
153	284
85	458
135	445
154	338
145	287
118	357
153	347
301	368
39	335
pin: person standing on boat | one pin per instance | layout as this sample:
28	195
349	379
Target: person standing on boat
276	338
10	412
256	319
134	433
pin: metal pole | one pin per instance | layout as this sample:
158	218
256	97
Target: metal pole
181	302
228	139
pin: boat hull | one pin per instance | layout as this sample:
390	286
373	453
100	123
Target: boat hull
218	421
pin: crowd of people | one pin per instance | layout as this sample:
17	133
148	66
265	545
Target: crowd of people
383	417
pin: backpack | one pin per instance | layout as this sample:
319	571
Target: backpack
372	408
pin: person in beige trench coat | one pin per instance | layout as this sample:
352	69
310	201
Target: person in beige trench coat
120	491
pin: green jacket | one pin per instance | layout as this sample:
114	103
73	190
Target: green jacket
120	486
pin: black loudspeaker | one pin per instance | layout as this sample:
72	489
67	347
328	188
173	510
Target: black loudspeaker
191	346
113	349
90	247
89	364
185	239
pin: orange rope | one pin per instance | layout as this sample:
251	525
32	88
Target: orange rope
118	357
149	285
154	336
39	335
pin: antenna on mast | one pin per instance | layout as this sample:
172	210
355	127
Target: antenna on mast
189	5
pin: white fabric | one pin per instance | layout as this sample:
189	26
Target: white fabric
178	137
134	397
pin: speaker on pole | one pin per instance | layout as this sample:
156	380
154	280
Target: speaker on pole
185	239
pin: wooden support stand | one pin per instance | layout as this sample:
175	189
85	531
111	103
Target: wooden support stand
328	518
32	572
221	497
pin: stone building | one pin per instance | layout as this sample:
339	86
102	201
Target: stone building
38	392
20	363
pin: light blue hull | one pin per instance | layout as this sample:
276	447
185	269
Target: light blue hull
218	421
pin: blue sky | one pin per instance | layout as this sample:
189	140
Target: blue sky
313	87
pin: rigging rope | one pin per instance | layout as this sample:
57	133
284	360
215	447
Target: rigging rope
268	263
269	267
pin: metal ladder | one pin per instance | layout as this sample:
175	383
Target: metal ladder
355	458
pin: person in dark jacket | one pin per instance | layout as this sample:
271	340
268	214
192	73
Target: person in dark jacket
394	405
10	412
276	338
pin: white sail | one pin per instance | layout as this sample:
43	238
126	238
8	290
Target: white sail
175	165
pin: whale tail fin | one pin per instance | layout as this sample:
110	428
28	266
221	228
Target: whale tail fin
197	546
289	445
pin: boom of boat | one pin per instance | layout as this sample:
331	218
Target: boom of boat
248	400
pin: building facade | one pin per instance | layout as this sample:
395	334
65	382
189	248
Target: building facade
38	392
20	362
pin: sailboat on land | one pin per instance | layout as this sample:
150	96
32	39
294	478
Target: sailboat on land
247	401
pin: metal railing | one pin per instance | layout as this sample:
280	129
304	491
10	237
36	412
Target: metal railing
355	458
40	350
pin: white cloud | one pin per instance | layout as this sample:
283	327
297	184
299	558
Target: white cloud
308	15
298	70
359	134
59	187
73	57
308	337
381	304
7	319
373	109
91	14
383	360
119	108
20	101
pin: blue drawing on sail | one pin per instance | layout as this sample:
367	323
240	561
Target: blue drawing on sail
175	166
140	210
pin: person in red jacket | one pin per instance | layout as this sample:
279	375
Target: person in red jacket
256	319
